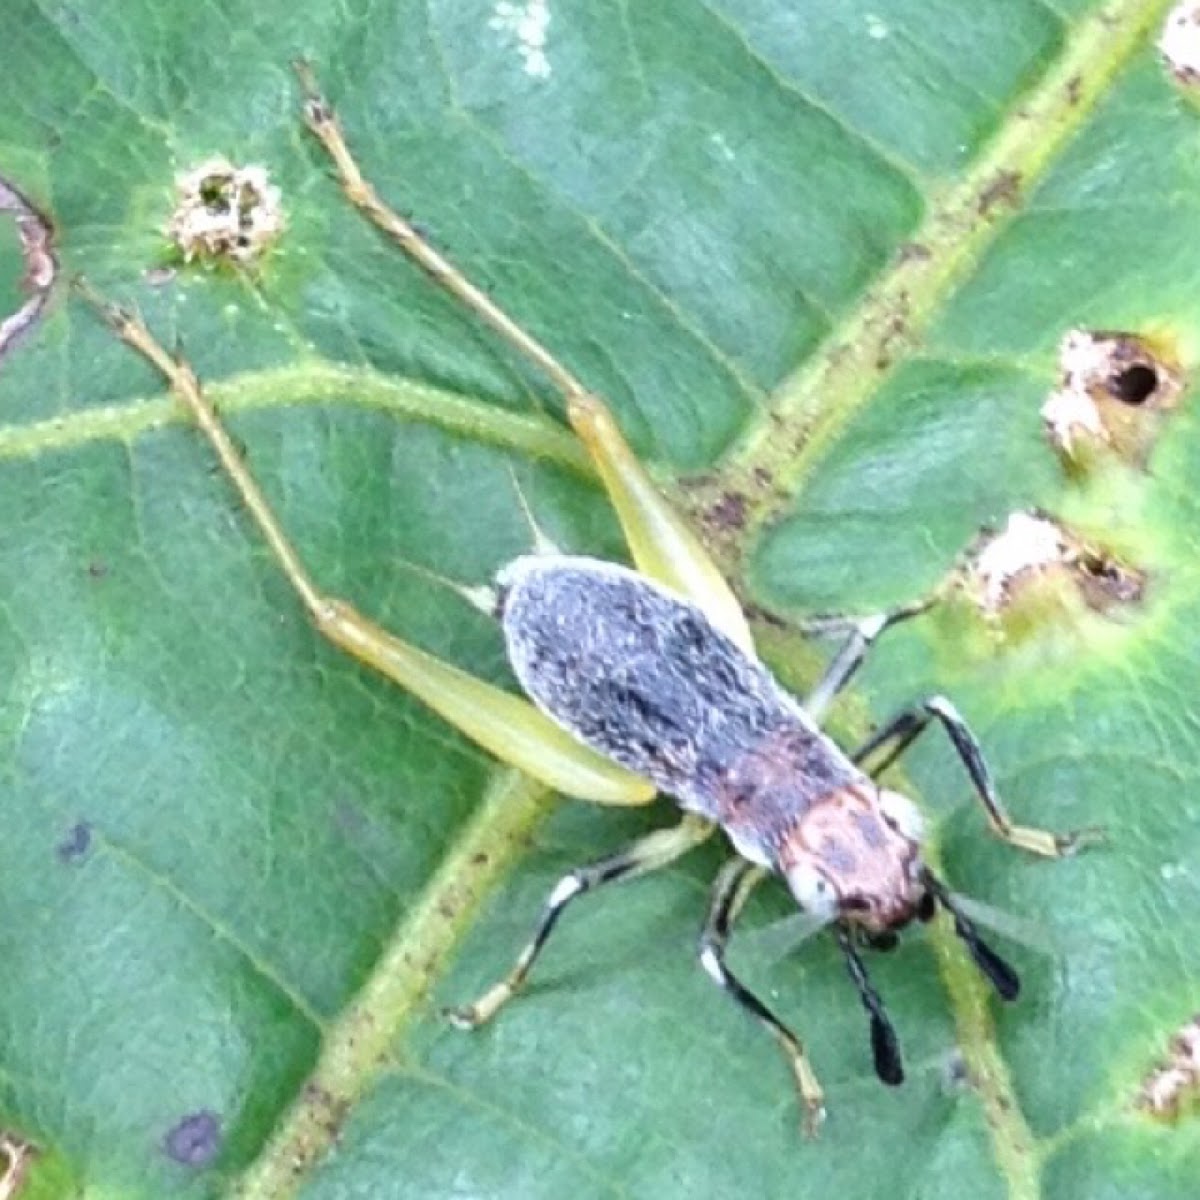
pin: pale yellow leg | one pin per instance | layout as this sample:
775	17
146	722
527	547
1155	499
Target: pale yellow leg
662	544
505	725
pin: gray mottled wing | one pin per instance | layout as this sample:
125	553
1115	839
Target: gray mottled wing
645	678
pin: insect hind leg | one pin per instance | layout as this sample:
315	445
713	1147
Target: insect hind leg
650	853
662	544
505	725
733	885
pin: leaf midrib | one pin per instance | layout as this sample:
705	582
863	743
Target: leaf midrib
806	414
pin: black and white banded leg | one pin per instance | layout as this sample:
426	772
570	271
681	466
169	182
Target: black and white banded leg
861	633
736	880
655	850
899	733
885	1046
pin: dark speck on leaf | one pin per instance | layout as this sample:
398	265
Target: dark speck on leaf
956	1076
911	252
1003	191
74	847
729	512
196	1140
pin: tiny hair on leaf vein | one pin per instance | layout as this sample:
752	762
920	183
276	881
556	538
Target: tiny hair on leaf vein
644	681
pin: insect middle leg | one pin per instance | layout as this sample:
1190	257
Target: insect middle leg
733	885
650	853
861	633
898	734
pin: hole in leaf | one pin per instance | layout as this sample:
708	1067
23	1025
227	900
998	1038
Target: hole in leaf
16	1155
1134	385
30	262
1179	43
223	212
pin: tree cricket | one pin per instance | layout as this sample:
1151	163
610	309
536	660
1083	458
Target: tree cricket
645	681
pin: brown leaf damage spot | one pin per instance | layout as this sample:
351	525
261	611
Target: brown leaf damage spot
1179	43
1003	190
225	213
1035	565
41	265
329	1111
729	512
16	1155
1113	390
1173	1086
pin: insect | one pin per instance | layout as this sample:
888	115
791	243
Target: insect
645	681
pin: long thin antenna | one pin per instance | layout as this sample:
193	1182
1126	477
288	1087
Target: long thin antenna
541	543
1003	978
885	1046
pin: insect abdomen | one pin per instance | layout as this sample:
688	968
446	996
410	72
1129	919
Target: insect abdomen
646	679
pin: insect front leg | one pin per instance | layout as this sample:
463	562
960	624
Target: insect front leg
650	853
894	738
733	885
884	1045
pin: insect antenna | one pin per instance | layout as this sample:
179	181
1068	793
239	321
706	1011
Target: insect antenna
480	596
885	1046
541	543
1003	978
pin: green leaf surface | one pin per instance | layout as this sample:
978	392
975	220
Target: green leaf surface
818	257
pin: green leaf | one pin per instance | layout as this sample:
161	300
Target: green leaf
818	258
